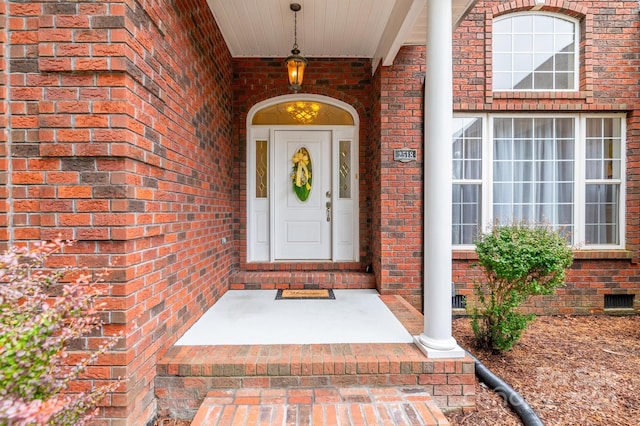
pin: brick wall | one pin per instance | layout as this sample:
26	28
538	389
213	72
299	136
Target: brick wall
609	64
399	186
348	80
120	138
608	82
4	163
376	179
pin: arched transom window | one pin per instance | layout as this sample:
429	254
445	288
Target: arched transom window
302	112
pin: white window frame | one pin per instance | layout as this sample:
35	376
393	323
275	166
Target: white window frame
485	208
580	180
576	47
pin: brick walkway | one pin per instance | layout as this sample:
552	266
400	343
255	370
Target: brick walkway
319	406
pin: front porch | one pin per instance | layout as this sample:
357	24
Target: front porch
226	372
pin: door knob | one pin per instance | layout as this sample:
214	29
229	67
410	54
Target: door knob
328	194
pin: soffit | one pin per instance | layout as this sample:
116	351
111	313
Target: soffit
373	29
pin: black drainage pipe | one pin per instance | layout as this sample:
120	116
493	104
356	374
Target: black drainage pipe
511	397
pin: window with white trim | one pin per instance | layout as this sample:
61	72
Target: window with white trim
603	180
467	178
535	51
566	171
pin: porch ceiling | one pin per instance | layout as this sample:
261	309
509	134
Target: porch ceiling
373	29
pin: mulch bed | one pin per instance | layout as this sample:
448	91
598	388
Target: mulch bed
572	370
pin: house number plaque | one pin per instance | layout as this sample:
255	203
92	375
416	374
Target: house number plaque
405	155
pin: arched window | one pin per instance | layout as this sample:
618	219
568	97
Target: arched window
535	51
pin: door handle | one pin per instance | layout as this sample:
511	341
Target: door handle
328	205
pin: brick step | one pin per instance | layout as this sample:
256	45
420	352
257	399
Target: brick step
320	406
269	280
187	373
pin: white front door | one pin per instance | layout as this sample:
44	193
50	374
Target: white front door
302	227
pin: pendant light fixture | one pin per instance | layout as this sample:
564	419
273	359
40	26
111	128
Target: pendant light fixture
295	63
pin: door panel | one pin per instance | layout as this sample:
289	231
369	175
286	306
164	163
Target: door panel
302	231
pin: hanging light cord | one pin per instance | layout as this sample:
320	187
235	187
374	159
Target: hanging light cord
295	31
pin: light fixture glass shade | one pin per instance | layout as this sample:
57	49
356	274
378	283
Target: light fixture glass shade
303	112
295	69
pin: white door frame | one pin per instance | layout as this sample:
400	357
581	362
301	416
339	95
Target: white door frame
261	211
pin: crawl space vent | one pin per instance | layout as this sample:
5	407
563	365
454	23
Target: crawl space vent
618	301
459	301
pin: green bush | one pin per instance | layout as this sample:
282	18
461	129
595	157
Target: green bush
518	261
41	314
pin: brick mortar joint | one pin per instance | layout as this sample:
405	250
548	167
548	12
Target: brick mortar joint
7	47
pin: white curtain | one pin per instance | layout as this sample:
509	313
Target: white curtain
533	170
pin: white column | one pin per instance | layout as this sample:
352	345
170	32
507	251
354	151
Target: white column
436	340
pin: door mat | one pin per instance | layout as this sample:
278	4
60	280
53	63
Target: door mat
305	294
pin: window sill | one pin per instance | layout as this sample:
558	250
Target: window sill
577	254
464	254
602	254
543	95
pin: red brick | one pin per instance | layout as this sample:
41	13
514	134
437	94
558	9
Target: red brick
454	390
27	178
24	122
55	35
92	121
64	135
74	191
74	219
91	36
72	21
72	50
26	205
54	178
24	37
25	9
54	65
82	64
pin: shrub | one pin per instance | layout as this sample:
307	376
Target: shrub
518	261
40	316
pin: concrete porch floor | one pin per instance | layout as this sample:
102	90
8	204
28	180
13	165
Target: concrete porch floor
288	383
255	317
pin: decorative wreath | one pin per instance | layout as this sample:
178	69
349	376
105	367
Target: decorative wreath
301	174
